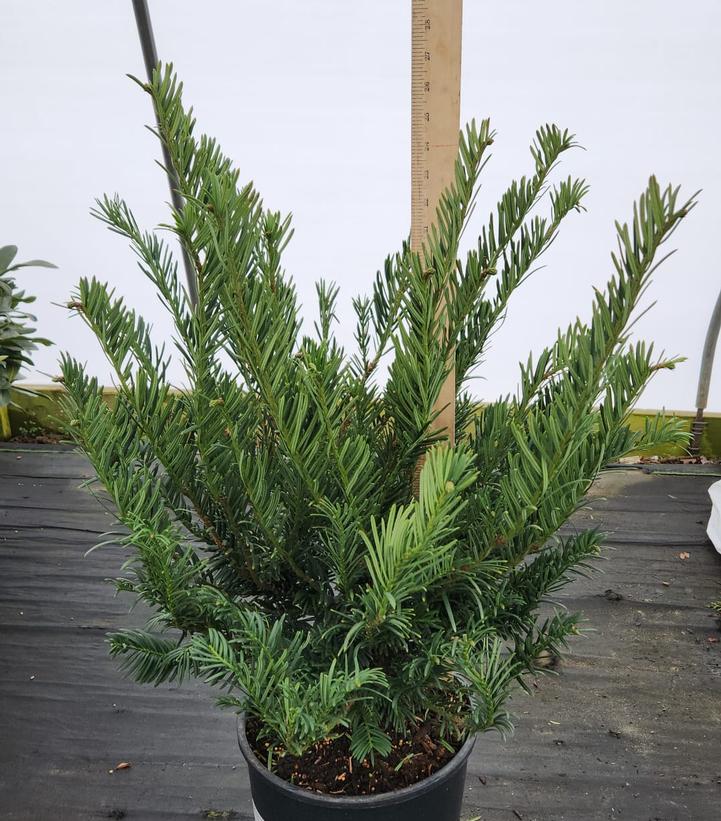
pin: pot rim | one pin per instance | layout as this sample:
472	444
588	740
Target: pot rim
382	799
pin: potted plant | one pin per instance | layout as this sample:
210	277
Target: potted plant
16	336
363	631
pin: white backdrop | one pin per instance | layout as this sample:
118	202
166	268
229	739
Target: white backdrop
311	99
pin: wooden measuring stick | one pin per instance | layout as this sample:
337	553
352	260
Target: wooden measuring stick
435	123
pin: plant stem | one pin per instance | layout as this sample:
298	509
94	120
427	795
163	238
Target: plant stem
5	430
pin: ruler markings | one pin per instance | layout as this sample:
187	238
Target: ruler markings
435	123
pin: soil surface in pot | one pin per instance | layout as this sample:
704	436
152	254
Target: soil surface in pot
328	766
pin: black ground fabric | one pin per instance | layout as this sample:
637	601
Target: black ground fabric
628	726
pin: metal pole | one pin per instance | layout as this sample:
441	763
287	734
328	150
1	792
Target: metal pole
150	58
704	377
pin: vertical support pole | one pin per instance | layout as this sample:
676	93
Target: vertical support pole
150	58
704	377
435	123
6	430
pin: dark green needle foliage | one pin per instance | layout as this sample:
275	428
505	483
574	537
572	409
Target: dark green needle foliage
273	527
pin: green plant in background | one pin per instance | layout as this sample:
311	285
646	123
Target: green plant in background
272	523
17	339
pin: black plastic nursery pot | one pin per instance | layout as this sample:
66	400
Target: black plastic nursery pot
437	798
